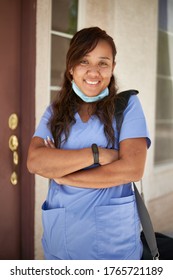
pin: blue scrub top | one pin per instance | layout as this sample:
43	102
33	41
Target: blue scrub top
81	223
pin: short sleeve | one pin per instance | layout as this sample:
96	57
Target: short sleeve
134	123
43	129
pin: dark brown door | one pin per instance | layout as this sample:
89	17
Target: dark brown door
16	211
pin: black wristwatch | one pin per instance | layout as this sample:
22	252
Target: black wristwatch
95	151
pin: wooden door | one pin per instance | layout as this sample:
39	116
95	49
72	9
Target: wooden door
16	210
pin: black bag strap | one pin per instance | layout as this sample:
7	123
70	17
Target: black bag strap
121	104
146	224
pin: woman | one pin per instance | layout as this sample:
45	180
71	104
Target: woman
90	211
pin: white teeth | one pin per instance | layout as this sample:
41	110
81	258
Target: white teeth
92	83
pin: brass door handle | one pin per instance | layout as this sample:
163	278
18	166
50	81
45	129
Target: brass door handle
13	143
15	158
13	121
13	178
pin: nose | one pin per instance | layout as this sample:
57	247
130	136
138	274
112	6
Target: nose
93	70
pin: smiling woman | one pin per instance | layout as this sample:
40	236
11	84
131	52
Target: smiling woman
90	210
94	71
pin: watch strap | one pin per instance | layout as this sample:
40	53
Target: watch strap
95	151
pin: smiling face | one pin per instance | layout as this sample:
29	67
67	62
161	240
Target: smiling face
93	72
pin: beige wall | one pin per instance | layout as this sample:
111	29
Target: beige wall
133	24
136	27
136	36
97	13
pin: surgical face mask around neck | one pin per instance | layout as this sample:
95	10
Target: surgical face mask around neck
88	99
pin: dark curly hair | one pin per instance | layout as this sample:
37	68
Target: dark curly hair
67	104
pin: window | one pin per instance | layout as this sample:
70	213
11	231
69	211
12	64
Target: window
164	100
64	25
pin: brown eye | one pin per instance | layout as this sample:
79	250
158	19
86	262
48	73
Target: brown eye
83	62
103	64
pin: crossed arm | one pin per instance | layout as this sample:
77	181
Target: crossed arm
65	166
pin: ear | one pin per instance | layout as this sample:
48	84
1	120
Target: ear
71	71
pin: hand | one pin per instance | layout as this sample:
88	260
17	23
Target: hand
107	156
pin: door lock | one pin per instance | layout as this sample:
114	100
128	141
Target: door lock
13	143
13	121
13	178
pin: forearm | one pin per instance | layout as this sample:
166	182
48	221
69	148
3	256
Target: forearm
45	160
51	163
106	176
128	168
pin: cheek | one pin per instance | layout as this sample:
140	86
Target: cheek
78	73
107	79
107	76
78	70
106	73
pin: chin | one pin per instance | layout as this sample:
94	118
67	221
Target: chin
91	94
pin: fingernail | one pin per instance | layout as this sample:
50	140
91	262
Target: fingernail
45	142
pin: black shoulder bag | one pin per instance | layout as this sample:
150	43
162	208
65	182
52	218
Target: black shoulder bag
155	245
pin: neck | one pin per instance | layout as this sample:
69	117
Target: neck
86	111
86	108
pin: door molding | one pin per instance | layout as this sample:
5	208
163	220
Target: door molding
28	64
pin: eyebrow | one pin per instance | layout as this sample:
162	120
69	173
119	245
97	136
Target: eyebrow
101	57
104	57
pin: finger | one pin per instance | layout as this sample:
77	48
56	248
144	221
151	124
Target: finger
46	143
50	142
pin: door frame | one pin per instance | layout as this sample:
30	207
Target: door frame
27	117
